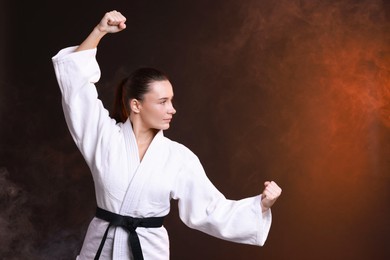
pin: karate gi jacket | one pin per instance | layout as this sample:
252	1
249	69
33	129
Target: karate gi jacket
127	186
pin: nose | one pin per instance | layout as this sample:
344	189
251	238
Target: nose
171	109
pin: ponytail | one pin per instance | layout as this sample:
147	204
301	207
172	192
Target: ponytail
120	111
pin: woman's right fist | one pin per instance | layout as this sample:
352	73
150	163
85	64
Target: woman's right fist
112	22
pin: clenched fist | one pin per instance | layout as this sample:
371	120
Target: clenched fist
112	22
270	194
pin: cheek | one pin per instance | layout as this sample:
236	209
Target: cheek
157	112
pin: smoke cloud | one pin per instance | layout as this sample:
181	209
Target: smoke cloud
17	231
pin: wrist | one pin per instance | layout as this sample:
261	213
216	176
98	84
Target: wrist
98	32
263	208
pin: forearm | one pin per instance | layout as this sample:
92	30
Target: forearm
92	41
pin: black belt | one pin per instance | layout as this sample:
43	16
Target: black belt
130	224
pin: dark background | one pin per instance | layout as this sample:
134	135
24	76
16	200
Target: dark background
292	91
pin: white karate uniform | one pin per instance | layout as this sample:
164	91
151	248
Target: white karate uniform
127	186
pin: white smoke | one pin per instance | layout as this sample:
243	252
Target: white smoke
16	229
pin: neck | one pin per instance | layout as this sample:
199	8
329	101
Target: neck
144	137
142	134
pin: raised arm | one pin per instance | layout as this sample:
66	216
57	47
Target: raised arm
112	22
77	71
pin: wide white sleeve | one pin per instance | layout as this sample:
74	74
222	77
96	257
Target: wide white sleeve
88	121
203	207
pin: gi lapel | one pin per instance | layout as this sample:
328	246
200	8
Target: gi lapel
154	157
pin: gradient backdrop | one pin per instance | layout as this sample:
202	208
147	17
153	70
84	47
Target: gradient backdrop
297	91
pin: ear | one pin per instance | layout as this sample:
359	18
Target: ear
135	105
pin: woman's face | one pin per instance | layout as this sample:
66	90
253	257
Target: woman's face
156	109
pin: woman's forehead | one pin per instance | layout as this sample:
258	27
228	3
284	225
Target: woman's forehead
160	89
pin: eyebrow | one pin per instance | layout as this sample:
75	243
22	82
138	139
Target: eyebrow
165	98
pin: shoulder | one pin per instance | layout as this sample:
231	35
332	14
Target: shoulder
185	160
179	150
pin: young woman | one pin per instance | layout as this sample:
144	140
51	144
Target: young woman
136	170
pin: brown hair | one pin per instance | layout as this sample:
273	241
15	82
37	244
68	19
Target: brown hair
134	86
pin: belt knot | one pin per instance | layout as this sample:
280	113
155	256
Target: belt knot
130	223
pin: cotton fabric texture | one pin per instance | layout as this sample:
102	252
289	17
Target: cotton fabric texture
128	186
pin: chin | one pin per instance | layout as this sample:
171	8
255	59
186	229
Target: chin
165	127
162	127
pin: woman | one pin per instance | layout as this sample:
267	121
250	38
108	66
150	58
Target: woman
136	170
